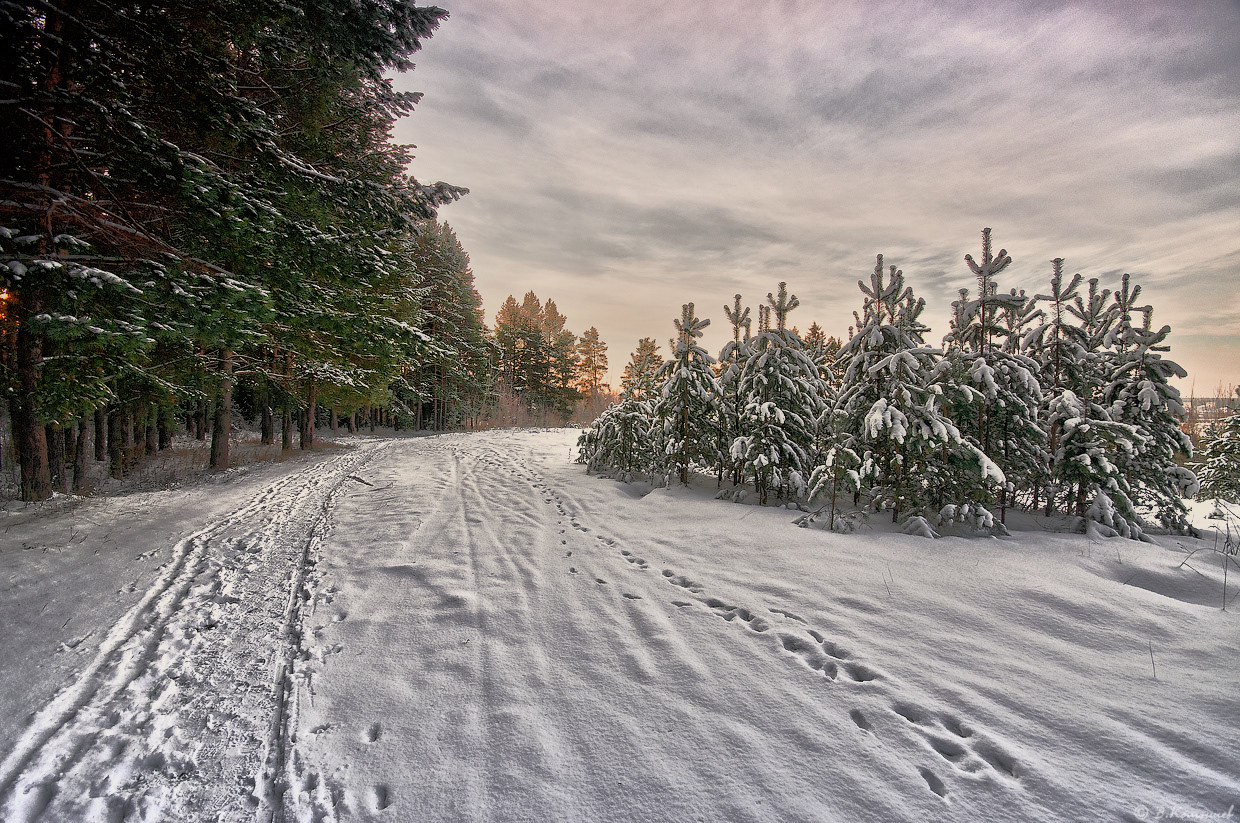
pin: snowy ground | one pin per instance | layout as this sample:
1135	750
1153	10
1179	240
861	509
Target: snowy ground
467	627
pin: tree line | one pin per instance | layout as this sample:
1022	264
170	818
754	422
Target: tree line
1058	402
203	216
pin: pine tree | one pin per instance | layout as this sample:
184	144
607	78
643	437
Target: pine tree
781	397
1218	460
1140	394
998	396
685	409
639	379
732	359
621	440
1060	346
591	368
889	410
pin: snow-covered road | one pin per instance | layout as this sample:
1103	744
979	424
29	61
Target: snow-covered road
466	627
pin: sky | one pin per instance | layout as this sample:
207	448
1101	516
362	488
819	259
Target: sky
626	158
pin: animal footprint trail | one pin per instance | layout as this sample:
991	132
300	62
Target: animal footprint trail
943	734
744	615
955	742
807	652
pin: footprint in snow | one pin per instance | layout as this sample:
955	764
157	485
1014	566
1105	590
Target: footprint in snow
373	733
932	780
572	569
383	797
859	718
632	596
600	581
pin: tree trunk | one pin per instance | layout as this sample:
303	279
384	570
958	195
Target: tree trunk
127	428
222	421
152	430
200	420
165	428
268	423
307	426
140	426
335	422
116	451
101	435
286	429
79	456
55	437
349	422
29	436
370	412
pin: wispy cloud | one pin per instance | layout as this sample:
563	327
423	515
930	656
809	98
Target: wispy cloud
626	158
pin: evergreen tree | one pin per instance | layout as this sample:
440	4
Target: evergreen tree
1218	460
591	366
621	440
1060	346
781	397
1140	394
889	411
639	379
732	360
998	396
685	409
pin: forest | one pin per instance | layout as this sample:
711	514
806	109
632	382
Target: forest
1059	401
238	239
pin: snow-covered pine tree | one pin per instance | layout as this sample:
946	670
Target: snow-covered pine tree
1059	345
834	472
781	398
688	400
639	380
999	396
1218	460
1087	445
890	414
1140	394
620	440
732	360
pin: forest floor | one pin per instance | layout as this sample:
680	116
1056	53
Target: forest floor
467	627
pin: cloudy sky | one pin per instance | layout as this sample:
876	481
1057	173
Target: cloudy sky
625	158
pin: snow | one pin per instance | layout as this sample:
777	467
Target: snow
468	627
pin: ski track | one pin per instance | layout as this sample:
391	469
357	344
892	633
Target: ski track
182	713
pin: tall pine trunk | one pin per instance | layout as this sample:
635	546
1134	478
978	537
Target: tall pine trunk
335	422
29	436
222	421
307	426
200	420
267	424
165	428
79	456
101	435
55	436
152	430
286	429
116	449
